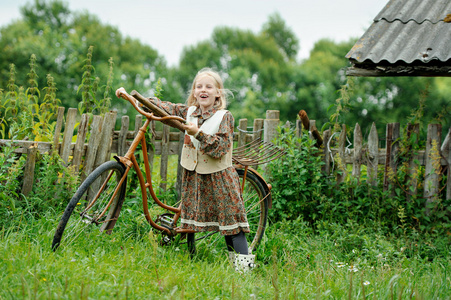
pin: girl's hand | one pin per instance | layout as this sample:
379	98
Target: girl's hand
191	128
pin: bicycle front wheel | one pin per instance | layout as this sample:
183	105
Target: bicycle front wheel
93	209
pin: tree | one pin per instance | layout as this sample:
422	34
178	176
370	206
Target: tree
60	40
277	29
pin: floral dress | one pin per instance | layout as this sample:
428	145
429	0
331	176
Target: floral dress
210	202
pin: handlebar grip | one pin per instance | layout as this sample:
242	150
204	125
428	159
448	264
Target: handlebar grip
157	111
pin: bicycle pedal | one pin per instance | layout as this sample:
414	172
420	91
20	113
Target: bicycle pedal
166	220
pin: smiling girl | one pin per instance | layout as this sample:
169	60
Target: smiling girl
211	197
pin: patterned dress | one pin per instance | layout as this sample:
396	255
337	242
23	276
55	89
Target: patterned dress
210	202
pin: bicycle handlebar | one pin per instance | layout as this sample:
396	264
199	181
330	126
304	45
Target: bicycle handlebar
157	113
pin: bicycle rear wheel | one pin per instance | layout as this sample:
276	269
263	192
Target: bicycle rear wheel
88	210
256	201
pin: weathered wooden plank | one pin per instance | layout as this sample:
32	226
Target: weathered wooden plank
446	152
270	125
432	168
392	149
151	147
80	143
68	134
178	183
122	136
106	140
373	155
258	129
312	124
413	131
326	152
138	124
340	160
28	174
93	145
358	140
242	132
164	157
58	127
448	149
298	128
22	146
445	146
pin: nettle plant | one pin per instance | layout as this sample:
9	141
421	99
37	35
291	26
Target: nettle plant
25	113
89	87
298	184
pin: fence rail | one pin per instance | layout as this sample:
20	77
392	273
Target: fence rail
96	140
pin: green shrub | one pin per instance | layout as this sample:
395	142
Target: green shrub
300	189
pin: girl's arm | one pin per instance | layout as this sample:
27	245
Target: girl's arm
217	145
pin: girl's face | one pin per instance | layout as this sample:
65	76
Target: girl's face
205	92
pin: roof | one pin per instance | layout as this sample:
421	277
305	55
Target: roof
407	38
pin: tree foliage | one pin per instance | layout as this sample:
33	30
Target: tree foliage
260	68
60	39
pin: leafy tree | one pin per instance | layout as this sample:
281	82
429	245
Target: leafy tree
277	29
60	40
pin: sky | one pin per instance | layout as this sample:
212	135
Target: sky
170	25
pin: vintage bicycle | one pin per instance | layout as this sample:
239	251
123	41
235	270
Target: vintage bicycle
97	203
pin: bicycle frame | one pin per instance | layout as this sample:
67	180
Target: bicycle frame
129	161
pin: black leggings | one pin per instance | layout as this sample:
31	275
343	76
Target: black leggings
237	243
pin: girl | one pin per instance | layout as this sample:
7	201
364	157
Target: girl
211	194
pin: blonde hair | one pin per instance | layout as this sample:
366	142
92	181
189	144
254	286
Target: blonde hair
221	101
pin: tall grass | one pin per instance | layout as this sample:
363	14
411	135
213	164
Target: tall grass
293	263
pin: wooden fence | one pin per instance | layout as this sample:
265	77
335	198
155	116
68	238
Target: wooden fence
84	154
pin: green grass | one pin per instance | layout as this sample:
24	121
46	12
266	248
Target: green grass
294	263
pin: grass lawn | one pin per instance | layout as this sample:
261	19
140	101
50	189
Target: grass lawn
293	263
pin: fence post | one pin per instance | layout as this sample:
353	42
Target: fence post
58	127
178	183
68	133
357	152
341	153
93	144
270	125
80	143
326	138
392	149
164	157
298	128
373	155
258	129
242	132
151	146
29	169
122	137
432	168
106	139
412	129
446	152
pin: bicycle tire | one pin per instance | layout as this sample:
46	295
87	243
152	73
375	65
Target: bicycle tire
80	212
256	201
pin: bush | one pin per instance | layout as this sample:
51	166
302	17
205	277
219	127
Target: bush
301	189
54	185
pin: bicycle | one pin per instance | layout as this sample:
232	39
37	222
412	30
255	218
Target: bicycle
99	199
